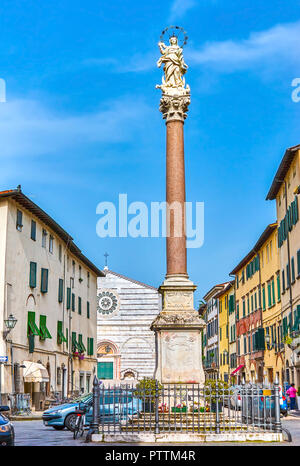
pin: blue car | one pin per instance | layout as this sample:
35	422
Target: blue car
7	433
114	407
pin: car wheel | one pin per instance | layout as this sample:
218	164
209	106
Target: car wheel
70	421
59	427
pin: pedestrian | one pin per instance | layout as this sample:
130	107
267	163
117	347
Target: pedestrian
291	392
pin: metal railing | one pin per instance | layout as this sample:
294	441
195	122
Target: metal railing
184	408
20	403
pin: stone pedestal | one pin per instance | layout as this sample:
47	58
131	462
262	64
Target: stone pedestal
178	334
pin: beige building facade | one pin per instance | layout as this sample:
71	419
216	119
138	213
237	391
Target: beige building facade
285	189
50	288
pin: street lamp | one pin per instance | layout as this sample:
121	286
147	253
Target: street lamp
268	340
10	323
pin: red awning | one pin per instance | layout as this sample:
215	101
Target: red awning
237	369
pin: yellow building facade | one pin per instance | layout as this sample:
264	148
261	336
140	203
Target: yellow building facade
258	309
271	307
226	308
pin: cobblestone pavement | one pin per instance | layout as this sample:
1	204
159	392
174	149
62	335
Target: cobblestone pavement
34	433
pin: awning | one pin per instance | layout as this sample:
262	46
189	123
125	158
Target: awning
35	372
237	369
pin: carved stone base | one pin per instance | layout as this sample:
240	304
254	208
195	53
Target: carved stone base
178	334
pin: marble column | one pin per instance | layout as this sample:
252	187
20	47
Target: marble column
178	326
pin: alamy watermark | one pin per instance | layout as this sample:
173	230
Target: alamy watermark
2	90
161	219
295	94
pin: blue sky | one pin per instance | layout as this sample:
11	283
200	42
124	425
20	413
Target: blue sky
81	121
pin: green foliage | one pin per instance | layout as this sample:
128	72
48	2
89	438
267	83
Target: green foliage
211	386
298	393
146	386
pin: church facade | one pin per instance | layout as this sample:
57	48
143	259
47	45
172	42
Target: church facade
125	344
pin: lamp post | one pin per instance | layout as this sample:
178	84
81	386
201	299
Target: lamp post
10	323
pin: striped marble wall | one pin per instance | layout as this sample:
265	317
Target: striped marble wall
127	328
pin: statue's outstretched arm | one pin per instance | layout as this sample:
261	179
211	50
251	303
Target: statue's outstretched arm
162	47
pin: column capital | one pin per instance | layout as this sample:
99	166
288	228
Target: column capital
174	107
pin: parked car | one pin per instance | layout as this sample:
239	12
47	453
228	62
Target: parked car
114	407
7	433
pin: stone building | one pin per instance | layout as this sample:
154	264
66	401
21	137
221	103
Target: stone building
211	332
226	330
125	344
50	288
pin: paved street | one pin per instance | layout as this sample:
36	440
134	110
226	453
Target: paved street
34	433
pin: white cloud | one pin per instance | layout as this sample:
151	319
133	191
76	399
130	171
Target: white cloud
29	128
180	7
273	46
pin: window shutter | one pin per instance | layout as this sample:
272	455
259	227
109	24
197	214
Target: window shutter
88	309
273	292
43	328
79	305
278	288
73	302
44	280
32	275
68	298
60	290
264	297
293	269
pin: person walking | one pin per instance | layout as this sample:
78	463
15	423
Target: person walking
292	392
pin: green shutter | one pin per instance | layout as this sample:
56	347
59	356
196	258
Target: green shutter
60	290
68	298
90	346
105	370
269	295
273	292
60	333
293	269
31	343
80	344
73	302
44	280
278	288
79	305
43	328
88	309
32	328
74	342
32	275
264	298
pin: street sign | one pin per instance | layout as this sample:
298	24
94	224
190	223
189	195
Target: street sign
3	358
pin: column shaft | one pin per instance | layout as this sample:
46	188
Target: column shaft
175	196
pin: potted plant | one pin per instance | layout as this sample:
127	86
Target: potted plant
210	389
298	398
179	408
163	408
145	390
